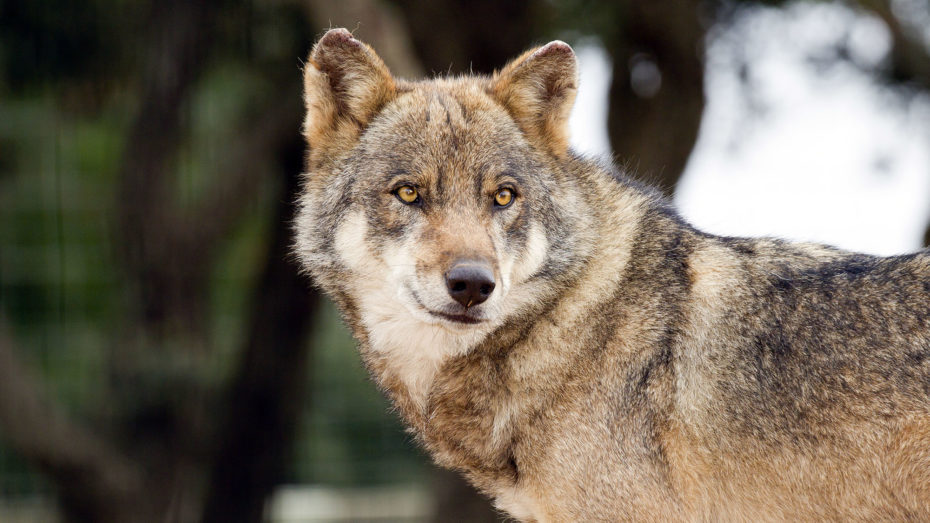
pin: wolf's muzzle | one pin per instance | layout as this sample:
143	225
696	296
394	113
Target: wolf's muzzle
470	282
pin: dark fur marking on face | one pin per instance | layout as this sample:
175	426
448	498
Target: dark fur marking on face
441	174
479	186
453	133
395	173
514	173
560	235
518	229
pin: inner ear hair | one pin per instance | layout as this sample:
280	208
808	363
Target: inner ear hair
345	84
538	89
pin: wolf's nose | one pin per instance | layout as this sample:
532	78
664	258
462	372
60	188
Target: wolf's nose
470	283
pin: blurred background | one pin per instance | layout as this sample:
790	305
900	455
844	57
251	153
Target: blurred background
160	357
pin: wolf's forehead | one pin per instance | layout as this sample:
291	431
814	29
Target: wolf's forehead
442	109
427	127
438	111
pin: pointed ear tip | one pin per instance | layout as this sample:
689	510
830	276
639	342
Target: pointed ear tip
339	36
555	47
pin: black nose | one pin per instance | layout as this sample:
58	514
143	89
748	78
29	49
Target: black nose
470	282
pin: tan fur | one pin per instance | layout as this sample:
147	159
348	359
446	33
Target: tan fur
346	84
626	367
538	89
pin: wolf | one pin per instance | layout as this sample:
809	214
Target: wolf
560	335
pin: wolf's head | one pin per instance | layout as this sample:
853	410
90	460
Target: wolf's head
440	207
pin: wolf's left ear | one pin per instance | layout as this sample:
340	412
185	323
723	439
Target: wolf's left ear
345	85
538	89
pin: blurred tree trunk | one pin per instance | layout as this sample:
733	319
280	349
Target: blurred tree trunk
159	420
479	36
657	93
168	289
265	398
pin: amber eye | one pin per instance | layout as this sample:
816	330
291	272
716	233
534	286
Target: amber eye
407	194
503	197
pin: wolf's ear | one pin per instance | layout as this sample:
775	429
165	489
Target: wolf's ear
538	89
345	85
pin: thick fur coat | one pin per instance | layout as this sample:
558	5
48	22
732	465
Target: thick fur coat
612	362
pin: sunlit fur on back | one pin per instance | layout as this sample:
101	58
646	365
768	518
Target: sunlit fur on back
617	364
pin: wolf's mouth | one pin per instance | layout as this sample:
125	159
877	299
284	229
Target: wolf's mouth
466	319
458	318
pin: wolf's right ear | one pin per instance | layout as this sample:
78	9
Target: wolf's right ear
345	85
538	89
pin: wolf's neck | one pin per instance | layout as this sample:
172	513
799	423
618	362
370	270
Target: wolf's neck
405	354
481	403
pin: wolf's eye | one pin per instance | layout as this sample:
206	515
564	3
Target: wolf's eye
503	197
407	194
